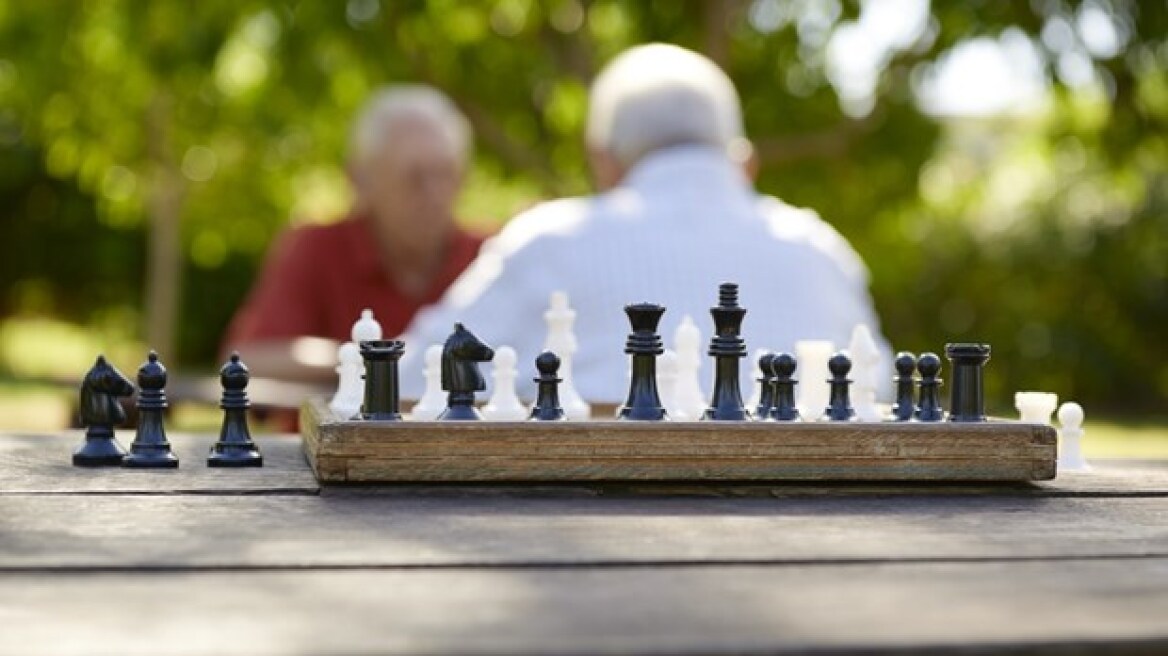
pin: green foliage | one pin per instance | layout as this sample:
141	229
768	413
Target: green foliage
1043	235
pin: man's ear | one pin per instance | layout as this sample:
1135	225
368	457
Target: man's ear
743	153
357	181
606	170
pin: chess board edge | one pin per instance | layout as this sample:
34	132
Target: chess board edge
341	450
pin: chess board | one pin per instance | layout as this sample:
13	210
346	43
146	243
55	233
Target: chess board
342	450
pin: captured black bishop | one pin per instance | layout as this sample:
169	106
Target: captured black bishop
150	448
234	448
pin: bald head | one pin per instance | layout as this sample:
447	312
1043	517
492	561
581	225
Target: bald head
658	95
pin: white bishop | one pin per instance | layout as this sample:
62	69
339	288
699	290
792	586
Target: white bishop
562	341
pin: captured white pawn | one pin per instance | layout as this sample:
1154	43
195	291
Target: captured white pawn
562	341
433	400
688	399
1035	407
504	404
1070	452
865	368
351	388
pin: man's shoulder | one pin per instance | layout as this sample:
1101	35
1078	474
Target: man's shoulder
544	222
804	226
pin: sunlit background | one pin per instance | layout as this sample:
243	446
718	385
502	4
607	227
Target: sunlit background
1001	166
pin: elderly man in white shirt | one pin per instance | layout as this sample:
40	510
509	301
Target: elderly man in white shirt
677	216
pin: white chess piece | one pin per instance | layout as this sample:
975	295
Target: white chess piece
351	387
433	400
865	368
1035	407
813	392
367	328
504	404
1070	452
755	397
667	381
689	400
562	341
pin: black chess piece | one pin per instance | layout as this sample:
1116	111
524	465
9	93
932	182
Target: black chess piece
644	345
150	449
766	381
783	369
547	401
839	407
461	378
905	406
967	395
382	386
929	396
727	347
234	448
100	412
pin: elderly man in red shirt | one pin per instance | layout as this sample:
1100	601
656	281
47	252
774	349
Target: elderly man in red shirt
396	251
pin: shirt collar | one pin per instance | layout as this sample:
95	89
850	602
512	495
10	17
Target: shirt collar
677	165
362	246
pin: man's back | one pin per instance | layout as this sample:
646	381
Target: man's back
684	220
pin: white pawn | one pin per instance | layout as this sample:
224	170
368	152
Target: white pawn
865	368
1070	452
813	391
667	381
755	397
433	400
504	404
1035	407
351	388
688	399
562	341
367	328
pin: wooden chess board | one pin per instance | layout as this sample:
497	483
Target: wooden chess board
341	450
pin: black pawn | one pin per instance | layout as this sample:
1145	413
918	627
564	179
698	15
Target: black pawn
150	449
547	402
644	345
783	368
100	412
727	348
929	404
967	400
382	388
766	381
839	408
234	448
905	406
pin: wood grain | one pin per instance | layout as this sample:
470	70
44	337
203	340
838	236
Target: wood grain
355	451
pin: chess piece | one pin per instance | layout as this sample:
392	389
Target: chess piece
667	382
865	368
929	397
812	356
727	348
905	406
234	448
782	370
766	386
433	400
644	345
562	341
366	329
758	388
504	404
100	412
1070	452
688	398
461	378
382	387
547	403
839	405
346	402
1035	407
150	449
967	395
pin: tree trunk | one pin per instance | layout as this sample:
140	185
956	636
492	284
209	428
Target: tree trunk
164	236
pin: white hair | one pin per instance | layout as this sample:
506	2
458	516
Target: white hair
391	104
659	95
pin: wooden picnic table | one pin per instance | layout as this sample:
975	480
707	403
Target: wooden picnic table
266	561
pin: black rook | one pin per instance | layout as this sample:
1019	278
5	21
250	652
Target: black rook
967	397
382	391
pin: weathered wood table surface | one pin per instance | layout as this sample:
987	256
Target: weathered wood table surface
267	562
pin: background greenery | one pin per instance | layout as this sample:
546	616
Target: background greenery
150	150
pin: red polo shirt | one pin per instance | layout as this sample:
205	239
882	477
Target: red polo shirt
317	279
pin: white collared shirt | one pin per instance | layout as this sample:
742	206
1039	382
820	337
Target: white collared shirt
683	221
